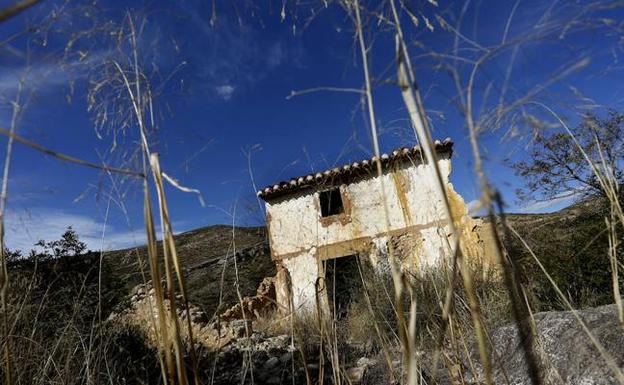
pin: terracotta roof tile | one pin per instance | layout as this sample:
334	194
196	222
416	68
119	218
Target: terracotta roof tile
352	169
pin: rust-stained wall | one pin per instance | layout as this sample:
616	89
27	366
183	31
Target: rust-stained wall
417	226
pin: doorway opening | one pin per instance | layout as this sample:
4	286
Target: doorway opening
343	283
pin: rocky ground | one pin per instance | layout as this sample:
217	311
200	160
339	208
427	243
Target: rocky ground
565	351
234	351
243	351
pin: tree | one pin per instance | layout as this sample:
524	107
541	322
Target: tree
58	297
558	168
12	255
68	245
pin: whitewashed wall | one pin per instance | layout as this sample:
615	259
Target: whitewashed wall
299	239
304	272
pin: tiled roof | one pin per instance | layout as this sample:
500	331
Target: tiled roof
348	170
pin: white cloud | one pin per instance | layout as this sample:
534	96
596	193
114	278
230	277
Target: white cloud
233	53
474	207
225	91
46	76
24	229
31	77
276	55
558	201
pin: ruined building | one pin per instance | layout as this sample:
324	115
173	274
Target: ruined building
341	213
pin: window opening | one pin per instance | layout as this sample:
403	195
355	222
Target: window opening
331	202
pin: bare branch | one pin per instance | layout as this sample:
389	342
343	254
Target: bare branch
16	9
177	185
317	89
67	158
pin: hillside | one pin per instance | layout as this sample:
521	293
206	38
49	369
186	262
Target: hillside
557	219
206	256
572	244
572	234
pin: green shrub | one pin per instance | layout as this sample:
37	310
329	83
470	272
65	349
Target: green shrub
573	249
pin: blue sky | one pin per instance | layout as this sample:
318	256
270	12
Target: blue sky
226	99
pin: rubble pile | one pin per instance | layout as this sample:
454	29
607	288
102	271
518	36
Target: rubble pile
237	350
254	307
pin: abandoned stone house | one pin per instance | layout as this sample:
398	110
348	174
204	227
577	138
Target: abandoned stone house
340	213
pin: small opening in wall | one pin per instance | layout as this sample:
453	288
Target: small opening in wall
331	202
343	282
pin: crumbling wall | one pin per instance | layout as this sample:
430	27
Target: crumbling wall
295	224
415	225
283	290
304	274
251	308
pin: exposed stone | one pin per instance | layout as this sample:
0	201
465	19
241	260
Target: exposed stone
235	343
356	373
366	362
566	354
240	328
253	307
275	380
271	363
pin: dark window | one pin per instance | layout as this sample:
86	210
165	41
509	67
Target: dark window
331	202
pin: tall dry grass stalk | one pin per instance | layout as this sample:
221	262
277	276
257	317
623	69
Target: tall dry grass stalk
140	95
161	329
127	70
15	9
476	124
4	274
614	243
415	108
422	132
172	261
372	121
135	83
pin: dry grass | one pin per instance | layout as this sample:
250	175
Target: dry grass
446	311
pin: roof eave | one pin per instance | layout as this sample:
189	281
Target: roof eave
305	182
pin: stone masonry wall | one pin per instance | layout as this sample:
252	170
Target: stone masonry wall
300	239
